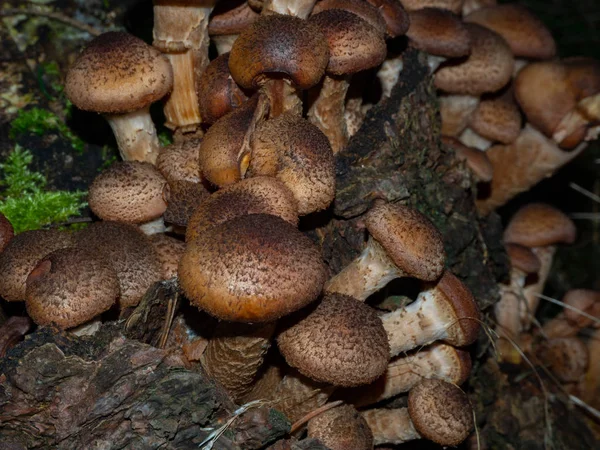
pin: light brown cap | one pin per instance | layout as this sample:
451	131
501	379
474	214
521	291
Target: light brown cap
497	117
230	17
354	44
440	412
526	35
253	268
179	161
297	153
522	258
131	254
456	111
473	5
282	45
69	287
6	231
409	238
169	251
118	73
256	195
567	358
540	225
487	69
363	9
342	342
477	160
22	254
585	300
184	198
129	191
218	94
396	18
452	5
439	32
341	428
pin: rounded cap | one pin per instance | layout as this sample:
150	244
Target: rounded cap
130	253
454	6
22	254
487	69
440	412
129	191
567	358
118	73
341	428
526	35
6	231
69	287
409	238
540	225
169	251
341	342
522	258
253	268
354	44
282	45
497	118
584	300
299	155
179	161
439	32
256	195
184	198
230	17
396	18
365	10
477	160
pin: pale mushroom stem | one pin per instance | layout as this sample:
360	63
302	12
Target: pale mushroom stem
136	135
327	111
368	273
531	292
181	107
390	426
224	42
507	312
282	98
389	74
298	8
155	226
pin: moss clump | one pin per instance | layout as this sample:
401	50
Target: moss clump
24	200
41	121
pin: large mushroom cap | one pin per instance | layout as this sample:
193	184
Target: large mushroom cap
118	73
539	225
363	9
440	412
342	342
409	239
342	428
69	287
253	268
439	32
22	254
6	231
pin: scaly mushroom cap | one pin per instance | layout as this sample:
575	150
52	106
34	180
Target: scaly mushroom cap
6	231
540	225
526	35
169	251
184	199
341	342
22	254
70	287
439	32
396	18
522	258
477	160
218	94
299	155
253	268
131	254
179	161
118	73
497	118
361	8
279	44
487	69
440	412
584	300
409	238
230	17
256	195
452	5
354	44
129	191
341	428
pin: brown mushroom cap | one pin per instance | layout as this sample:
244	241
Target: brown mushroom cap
131	254
487	69
184	199
354	44
279	44
452	5
169	251
522	258
341	428
69	287
409	239
118	73
253	268
363	9
230	17
256	195
584	300
22	254
129	191
526	35
497	118
179	161
6	231
299	155
396	18
539	225
439	32
341	342
477	160
567	357
440	412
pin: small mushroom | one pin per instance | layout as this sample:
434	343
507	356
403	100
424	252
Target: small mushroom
228	20
179	161
341	428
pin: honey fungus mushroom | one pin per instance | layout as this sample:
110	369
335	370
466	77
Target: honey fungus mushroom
6	231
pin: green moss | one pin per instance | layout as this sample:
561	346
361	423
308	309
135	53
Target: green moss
165	138
24	200
41	121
